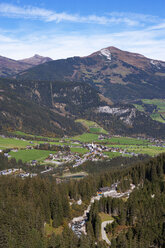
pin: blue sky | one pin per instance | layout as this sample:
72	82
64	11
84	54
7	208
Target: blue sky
66	28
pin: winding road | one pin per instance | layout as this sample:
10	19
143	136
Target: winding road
103	232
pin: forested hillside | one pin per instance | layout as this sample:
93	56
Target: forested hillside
50	108
26	205
119	75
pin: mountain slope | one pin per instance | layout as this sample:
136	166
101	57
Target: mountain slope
45	107
111	71
27	109
36	60
10	67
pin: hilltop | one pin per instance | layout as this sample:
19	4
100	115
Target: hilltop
110	70
10	67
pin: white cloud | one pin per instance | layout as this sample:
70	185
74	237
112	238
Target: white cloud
158	26
30	12
59	46
146	34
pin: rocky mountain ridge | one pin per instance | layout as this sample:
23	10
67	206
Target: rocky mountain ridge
36	60
110	70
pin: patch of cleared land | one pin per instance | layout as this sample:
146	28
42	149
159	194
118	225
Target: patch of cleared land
92	126
79	150
49	229
34	136
12	143
77	175
29	155
105	217
159	115
86	137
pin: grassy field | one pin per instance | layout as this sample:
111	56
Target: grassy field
86	137
150	150
90	137
92	126
12	143
105	217
49	229
159	113
79	150
126	141
34	136
160	103
28	155
157	117
139	107
113	154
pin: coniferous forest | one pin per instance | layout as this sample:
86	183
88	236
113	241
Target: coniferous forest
26	205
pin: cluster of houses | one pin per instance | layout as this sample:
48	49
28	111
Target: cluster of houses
96	153
10	171
101	148
112	191
16	172
27	174
62	157
95	147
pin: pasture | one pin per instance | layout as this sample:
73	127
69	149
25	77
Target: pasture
79	150
92	126
12	143
105	217
29	155
158	115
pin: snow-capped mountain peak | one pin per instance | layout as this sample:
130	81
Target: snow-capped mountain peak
106	52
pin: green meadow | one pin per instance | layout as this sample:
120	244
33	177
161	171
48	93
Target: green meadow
160	103
34	136
12	143
79	150
126	141
159	113
92	126
29	155
150	150
113	154
86	137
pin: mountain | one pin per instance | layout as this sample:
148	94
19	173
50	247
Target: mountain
44	108
10	67
51	108
111	71
36	60
100	87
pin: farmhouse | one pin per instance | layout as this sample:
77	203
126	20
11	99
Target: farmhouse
103	190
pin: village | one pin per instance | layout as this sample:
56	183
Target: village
95	153
73	152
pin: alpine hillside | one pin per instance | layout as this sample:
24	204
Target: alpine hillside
10	67
109	70
52	107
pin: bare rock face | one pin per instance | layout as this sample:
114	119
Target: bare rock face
125	114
